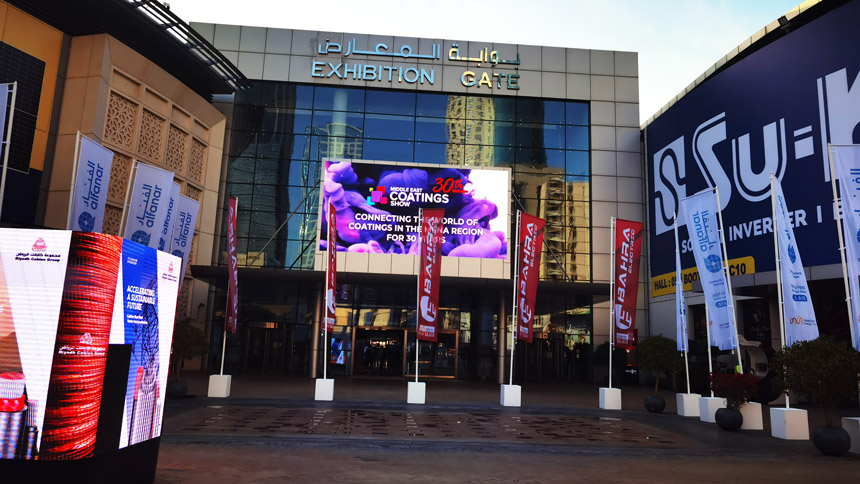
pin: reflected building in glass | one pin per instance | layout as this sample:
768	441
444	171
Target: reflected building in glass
560	121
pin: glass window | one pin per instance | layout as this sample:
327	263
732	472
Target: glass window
386	126
375	149
506	108
577	138
529	110
434	105
339	99
555	160
577	163
335	147
529	135
576	113
391	102
283	95
434	153
267	172
503	156
553	136
456	154
242	191
479	107
241	170
251	95
553	112
337	123
431	129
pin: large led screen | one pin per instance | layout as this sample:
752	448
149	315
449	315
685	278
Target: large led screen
377	207
65	297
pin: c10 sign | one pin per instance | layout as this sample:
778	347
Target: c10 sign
377	208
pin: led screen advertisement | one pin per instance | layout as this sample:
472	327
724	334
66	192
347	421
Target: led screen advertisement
63	304
377	207
773	111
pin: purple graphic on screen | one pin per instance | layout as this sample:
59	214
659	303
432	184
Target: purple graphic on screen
377	208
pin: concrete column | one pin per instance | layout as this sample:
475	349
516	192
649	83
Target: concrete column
315	335
501	336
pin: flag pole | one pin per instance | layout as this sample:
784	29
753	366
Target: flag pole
324	312
227	307
514	318
839	221
708	337
780	300
682	313
75	163
729	280
611	298
418	292
8	144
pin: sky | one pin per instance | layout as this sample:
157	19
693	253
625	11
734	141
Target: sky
677	40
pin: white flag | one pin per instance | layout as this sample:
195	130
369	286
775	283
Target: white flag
183	230
680	306
91	186
846	161
701	213
149	204
800	323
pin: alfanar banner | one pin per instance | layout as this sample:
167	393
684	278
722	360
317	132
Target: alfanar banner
628	247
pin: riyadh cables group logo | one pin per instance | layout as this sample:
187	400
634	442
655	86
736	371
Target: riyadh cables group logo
713	264
39	245
377	195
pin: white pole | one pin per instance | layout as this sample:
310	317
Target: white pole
611	298
224	339
836	212
514	319
324	312
708	338
8	144
75	162
131	178
418	291
729	281
780	301
679	282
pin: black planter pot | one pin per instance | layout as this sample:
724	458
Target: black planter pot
655	403
176	389
831	440
729	418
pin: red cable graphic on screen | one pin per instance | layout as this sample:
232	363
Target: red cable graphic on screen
77	372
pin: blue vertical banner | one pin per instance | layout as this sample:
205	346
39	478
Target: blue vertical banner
91	186
680	305
846	162
701	215
170	219
140	323
799	315
150	201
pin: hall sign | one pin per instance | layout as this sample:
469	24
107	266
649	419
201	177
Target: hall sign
472	76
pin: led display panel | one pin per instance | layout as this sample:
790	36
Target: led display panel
377	207
64	297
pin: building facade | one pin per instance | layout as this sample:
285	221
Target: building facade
117	73
774	104
562	122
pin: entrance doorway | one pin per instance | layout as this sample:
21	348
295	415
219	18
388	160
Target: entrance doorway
378	352
437	359
266	348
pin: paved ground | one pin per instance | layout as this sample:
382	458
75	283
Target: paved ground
271	430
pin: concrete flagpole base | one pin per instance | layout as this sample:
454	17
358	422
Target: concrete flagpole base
752	413
415	392
789	424
324	389
219	386
852	425
610	398
511	396
708	407
687	404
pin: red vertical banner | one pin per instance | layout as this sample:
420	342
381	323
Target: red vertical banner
628	246
232	266
331	270
428	273
528	269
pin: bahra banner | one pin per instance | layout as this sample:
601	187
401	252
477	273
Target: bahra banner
528	268
331	270
428	274
628	247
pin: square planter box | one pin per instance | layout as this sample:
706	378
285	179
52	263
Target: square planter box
789	423
708	407
852	425
324	390
688	404
415	392
219	386
751	412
